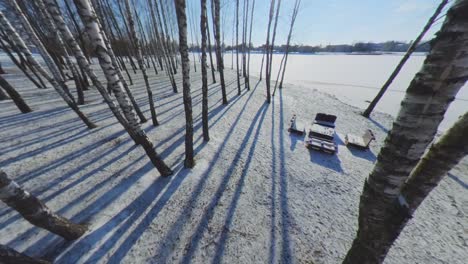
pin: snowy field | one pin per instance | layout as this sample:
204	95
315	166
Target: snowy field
256	195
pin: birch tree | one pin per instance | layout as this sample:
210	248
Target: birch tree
403	60
15	96
267	51
58	85
427	98
219	55
237	49
35	211
139	57
296	9
88	16
272	46
250	40
449	150
204	31
183	47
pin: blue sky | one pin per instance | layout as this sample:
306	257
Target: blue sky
338	21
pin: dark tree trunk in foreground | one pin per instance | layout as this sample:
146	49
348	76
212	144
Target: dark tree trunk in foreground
449	150
182	23
403	60
15	96
219	55
204	31
428	97
36	212
11	256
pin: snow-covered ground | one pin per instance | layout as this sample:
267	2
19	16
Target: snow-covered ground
256	194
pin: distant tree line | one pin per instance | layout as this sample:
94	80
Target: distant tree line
388	46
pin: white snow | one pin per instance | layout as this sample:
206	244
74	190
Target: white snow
256	194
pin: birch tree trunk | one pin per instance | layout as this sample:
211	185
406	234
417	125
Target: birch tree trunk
88	16
56	15
267	49
36	212
213	76
50	24
164	50
139	57
182	22
219	55
11	256
403	60
449	150
250	40
17	63
56	82
237	49
288	42
203	29
429	95
3	95
58	85
272	46
15	96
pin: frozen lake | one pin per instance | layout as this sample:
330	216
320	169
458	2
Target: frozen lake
355	79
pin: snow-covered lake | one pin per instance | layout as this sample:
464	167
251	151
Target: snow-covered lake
355	79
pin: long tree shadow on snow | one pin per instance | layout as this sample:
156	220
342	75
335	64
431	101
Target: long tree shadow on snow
181	220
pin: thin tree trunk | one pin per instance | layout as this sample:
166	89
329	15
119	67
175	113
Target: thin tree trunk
250	40
272	46
428	97
11	256
15	96
101	50
49	22
267	49
141	64
213	76
3	95
288	43
56	82
219	55
20	66
261	65
36	212
244	45
403	60
204	30
182	22
237	49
